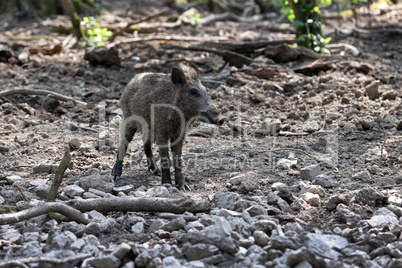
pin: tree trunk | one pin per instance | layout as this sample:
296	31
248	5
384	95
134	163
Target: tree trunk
75	19
303	11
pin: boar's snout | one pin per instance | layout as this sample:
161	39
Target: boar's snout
213	117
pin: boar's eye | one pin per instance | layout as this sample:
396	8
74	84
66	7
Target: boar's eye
194	92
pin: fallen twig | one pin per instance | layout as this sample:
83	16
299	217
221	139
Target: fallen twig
69	212
21	262
247	47
166	38
59	175
31	91
155	204
235	59
131	23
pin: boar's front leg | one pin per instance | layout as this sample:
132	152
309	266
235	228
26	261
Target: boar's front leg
177	164
126	135
165	163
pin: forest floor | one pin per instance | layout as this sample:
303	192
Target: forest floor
325	116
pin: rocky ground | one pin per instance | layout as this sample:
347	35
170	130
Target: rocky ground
306	173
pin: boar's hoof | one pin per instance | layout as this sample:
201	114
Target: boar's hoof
117	170
156	172
184	188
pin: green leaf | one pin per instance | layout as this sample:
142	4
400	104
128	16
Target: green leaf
316	9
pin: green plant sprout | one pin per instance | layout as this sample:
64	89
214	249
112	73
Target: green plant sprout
195	21
93	34
308	30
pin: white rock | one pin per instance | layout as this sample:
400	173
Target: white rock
383	218
312	199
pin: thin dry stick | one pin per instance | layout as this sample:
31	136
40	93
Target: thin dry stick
31	91
21	262
69	212
383	144
131	23
166	38
306	153
19	189
59	174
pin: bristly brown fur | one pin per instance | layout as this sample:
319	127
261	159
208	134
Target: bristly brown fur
161	106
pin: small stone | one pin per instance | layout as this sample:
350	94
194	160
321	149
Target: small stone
13	178
311	126
269	127
74	144
390	95
108	261
103	183
237	180
310	172
248	185
138	228
97	192
312	199
283	205
157	224
324	181
332	115
73	190
383	218
96	216
159	191
261	238
372	90
362	175
200	251
316	189
170	262
91	228
395	209
272	198
348	216
334	200
45	167
11	235
125	188
399	125
257	210
279	186
121	250
225	199
175	193
286	163
369	196
175	224
263	225
89	195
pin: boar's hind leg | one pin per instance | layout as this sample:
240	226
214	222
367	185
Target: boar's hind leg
126	135
177	164
150	158
165	164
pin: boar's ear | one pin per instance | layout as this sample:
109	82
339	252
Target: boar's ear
178	77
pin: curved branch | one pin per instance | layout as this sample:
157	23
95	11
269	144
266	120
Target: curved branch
69	212
29	91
